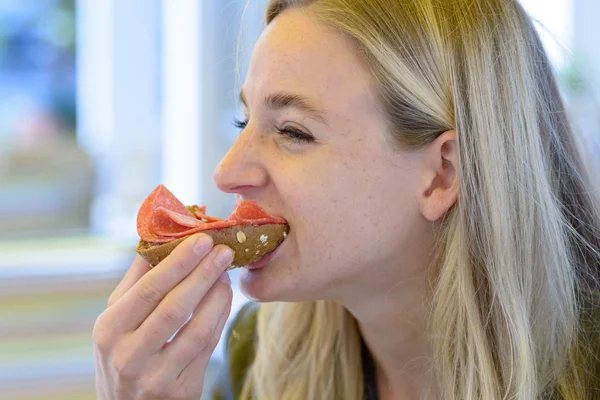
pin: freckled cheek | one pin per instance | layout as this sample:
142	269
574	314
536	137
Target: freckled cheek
334	190
333	249
321	193
334	230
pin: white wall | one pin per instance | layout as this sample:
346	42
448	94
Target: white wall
157	93
586	100
118	105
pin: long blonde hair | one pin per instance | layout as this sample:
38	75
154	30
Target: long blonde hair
515	271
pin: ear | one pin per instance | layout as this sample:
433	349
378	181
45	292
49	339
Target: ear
440	183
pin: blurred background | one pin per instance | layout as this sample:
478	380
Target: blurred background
100	101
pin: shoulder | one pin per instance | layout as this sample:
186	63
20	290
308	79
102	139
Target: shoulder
241	341
244	324
240	348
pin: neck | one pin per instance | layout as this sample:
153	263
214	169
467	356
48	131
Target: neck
393	324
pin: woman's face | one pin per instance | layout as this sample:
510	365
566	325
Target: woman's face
315	151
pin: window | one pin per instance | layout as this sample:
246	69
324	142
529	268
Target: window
100	101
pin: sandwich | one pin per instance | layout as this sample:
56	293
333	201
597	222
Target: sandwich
163	222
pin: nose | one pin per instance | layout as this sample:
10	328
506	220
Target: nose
242	168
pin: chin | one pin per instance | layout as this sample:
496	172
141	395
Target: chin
268	284
272	280
284	278
281	280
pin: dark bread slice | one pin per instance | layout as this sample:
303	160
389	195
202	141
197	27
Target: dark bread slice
247	245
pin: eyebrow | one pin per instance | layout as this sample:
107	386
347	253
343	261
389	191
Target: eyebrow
278	101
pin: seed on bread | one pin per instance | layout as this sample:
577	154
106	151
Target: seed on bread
241	237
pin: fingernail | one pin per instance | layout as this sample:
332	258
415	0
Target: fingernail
225	278
202	245
224	257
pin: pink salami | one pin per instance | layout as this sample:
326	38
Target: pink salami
166	222
248	212
163	218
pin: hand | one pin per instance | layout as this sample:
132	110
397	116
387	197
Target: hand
134	357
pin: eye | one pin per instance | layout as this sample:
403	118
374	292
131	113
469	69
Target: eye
291	133
296	135
240	124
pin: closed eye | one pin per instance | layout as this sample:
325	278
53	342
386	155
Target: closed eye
240	124
291	133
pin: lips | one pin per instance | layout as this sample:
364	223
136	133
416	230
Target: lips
263	262
267	258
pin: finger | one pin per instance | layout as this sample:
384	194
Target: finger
193	346
145	295
179	304
138	268
188	378
164	371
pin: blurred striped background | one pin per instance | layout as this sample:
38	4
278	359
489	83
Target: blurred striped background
51	292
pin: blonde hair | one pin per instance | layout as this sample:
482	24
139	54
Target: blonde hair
515	271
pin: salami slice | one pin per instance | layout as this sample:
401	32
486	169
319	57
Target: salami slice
160	197
163	218
200	213
248	212
204	227
206	218
188	220
166	222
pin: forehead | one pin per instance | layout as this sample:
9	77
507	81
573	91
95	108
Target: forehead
297	53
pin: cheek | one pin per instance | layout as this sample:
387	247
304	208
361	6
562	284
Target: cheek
348	211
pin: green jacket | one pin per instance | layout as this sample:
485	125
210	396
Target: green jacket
240	350
241	347
239	354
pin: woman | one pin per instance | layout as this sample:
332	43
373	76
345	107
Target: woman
444	238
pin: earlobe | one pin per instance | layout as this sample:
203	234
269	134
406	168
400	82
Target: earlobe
440	186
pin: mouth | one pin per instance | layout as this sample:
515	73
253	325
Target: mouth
266	259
